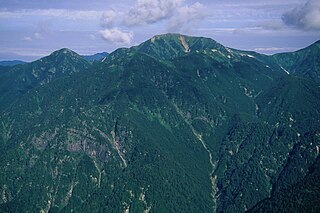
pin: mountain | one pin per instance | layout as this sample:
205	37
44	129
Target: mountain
18	80
300	197
11	63
172	45
95	57
175	124
304	62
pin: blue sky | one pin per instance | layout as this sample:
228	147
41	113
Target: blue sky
30	29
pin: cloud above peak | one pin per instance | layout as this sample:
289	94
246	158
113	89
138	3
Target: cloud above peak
27	38
116	35
151	11
108	18
177	15
304	17
188	17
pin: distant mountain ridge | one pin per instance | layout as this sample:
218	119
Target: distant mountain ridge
96	57
11	63
175	124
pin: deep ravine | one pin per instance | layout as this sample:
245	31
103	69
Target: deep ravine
213	178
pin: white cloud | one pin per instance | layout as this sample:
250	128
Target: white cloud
151	11
115	35
175	13
38	36
305	17
108	18
27	38
188	17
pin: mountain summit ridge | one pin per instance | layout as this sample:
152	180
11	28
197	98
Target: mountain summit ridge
167	46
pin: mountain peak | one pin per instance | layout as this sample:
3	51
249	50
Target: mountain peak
167	36
64	54
171	45
64	51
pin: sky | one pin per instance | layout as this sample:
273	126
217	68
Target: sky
31	29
